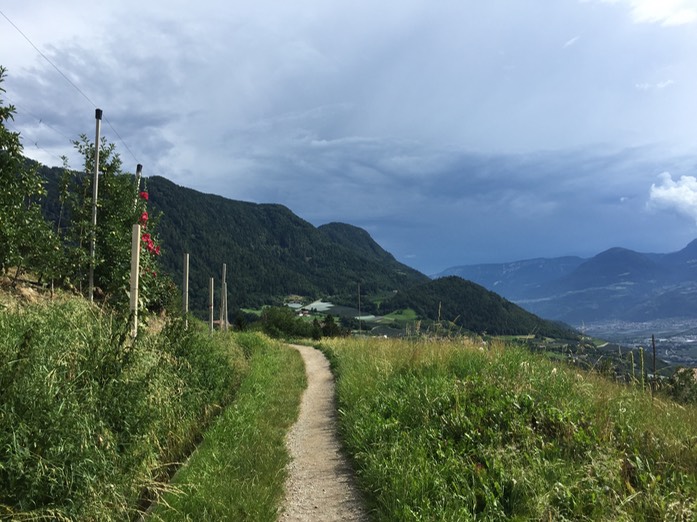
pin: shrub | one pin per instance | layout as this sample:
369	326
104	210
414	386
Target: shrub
281	322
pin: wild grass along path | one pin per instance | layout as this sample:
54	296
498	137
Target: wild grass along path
320	484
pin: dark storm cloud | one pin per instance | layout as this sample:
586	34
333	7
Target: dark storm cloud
453	132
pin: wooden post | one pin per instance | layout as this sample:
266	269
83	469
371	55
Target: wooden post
210	304
223	292
359	309
185	292
225	315
654	381
135	276
95	185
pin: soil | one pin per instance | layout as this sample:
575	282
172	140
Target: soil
321	484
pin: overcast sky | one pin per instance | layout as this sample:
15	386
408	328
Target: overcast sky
454	131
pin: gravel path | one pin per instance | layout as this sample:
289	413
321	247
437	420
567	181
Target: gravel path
320	485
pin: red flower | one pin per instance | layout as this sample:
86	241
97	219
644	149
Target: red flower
144	195
146	238
144	218
157	250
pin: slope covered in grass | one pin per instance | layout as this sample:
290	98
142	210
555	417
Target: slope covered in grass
454	431
92	422
238	472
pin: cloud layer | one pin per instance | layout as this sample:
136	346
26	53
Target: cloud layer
454	132
665	12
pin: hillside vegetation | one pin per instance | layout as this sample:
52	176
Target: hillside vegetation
461	431
270	251
239	470
471	307
92	423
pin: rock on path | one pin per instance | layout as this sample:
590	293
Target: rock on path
320	484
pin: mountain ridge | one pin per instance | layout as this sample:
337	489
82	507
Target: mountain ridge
616	284
272	251
273	255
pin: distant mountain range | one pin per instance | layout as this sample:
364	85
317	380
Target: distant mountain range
617	284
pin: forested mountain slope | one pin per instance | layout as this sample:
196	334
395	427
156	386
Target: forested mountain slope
270	252
474	308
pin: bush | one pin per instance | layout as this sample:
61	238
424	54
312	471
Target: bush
26	238
281	322
682	386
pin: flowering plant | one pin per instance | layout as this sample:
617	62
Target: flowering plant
153	290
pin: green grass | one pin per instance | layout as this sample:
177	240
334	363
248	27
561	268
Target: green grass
460	431
91	422
238	472
511	338
405	315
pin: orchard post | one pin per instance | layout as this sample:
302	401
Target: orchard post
139	171
224	324
135	276
653	344
185	291
210	304
223	294
95	191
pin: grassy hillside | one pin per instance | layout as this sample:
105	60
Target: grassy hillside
92	423
457	431
239	470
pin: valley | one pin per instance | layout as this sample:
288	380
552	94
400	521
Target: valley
619	295
676	339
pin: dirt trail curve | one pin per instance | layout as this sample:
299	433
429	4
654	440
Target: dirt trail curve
320	484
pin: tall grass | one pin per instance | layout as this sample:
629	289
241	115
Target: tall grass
92	423
458	431
238	472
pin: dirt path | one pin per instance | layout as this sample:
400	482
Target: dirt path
320	485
